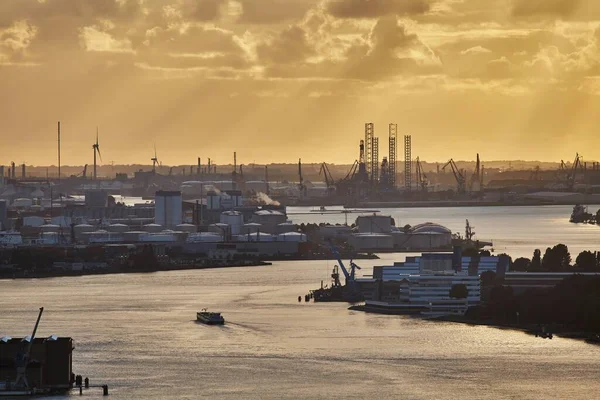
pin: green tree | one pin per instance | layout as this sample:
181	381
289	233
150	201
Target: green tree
488	278
536	261
586	260
556	259
459	291
521	264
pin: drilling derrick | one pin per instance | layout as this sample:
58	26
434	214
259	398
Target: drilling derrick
407	163
369	132
375	161
392	155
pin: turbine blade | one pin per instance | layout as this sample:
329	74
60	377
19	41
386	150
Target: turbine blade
99	155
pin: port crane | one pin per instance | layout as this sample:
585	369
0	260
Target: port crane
422	181
458	175
349	275
154	161
324	170
22	359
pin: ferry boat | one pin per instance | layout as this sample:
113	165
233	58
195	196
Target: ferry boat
210	318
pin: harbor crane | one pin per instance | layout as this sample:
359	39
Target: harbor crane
458	175
22	359
351	275
422	181
324	170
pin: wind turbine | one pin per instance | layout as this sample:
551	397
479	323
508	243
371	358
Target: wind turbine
96	148
154	161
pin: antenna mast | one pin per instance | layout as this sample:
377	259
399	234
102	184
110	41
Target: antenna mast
59	151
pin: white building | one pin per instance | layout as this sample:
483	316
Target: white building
168	209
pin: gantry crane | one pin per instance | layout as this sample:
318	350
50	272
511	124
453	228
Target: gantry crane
458	175
324	170
422	181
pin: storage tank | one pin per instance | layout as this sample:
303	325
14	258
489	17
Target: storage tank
335	231
251	227
213	200
203	237
234	219
119	228
158	238
153	228
132	236
374	224
49	228
219	228
256	237
33	220
291	237
286	227
50	238
22	203
371	241
189	228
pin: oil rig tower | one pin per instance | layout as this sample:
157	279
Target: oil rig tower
392	155
407	163
372	152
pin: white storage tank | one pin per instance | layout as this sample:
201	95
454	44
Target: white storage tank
251	227
49	228
158	238
234	219
371	241
132	236
286	227
119	228
291	237
50	238
189	228
256	237
374	224
153	228
269	217
33	221
335	231
204	237
218	228
22	203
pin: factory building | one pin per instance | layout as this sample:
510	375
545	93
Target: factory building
168	209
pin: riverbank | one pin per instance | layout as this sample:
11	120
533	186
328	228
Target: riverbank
42	274
529	329
460	203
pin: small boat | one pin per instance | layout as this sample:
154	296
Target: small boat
210	318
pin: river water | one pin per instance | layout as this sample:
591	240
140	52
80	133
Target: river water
136	332
516	231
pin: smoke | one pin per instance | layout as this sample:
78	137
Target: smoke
264	198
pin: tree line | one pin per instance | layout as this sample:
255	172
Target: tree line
558	259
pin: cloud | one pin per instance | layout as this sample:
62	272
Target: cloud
560	8
94	39
290	46
376	8
475	50
274	11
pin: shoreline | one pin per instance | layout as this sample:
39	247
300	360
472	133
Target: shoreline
120	270
528	329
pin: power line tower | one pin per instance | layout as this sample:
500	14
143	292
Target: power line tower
392	156
407	163
369	132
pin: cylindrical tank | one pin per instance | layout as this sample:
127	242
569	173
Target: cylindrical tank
234	219
22	203
201	237
291	237
132	236
153	228
189	228
49	228
33	220
218	228
119	228
252	227
374	224
256	237
371	241
286	227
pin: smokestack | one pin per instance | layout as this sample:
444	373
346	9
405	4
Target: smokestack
59	150
209	171
13	172
23	171
199	166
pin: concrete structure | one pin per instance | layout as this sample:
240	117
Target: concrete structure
168	208
3	215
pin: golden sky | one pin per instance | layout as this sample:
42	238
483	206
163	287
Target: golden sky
278	80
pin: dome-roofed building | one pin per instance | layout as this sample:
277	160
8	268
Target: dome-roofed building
430	227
